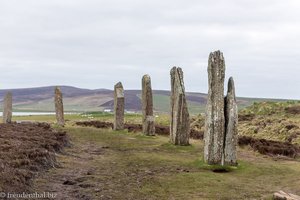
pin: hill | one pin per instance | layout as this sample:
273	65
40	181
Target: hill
79	100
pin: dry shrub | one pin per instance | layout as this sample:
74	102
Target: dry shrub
294	110
133	127
97	124
246	117
27	149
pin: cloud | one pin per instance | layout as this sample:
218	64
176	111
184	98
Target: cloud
96	43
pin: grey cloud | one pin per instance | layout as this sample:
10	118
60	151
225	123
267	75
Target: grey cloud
95	43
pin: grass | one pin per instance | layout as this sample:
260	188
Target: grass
162	119
269	107
134	166
272	121
162	104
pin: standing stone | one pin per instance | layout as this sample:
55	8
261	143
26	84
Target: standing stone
147	106
119	107
231	123
215	119
7	108
180	120
59	107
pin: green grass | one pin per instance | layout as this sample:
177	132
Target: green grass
161	103
269	107
134	166
162	119
178	172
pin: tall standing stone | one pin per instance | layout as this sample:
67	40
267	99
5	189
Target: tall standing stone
59	107
215	119
147	106
231	123
7	108
180	120
119	104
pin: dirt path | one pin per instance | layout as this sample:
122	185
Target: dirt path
98	170
74	176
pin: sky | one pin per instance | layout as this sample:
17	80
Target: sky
96	43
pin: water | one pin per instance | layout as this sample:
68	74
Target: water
35	113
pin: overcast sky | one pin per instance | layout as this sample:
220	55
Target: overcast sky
96	43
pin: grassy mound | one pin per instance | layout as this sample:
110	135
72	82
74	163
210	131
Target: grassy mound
272	108
278	121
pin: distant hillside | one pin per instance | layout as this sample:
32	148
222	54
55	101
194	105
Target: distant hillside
77	99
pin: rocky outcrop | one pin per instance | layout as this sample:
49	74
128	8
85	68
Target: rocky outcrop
180	120
147	106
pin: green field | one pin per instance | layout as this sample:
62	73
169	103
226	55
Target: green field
106	164
97	101
132	166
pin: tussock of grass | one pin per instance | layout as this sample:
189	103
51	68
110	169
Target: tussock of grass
270	107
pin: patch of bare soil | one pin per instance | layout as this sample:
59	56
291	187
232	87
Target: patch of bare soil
26	150
269	147
76	173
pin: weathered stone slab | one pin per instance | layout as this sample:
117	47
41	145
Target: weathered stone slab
281	195
215	119
119	104
147	106
231	123
59	107
7	108
180	120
